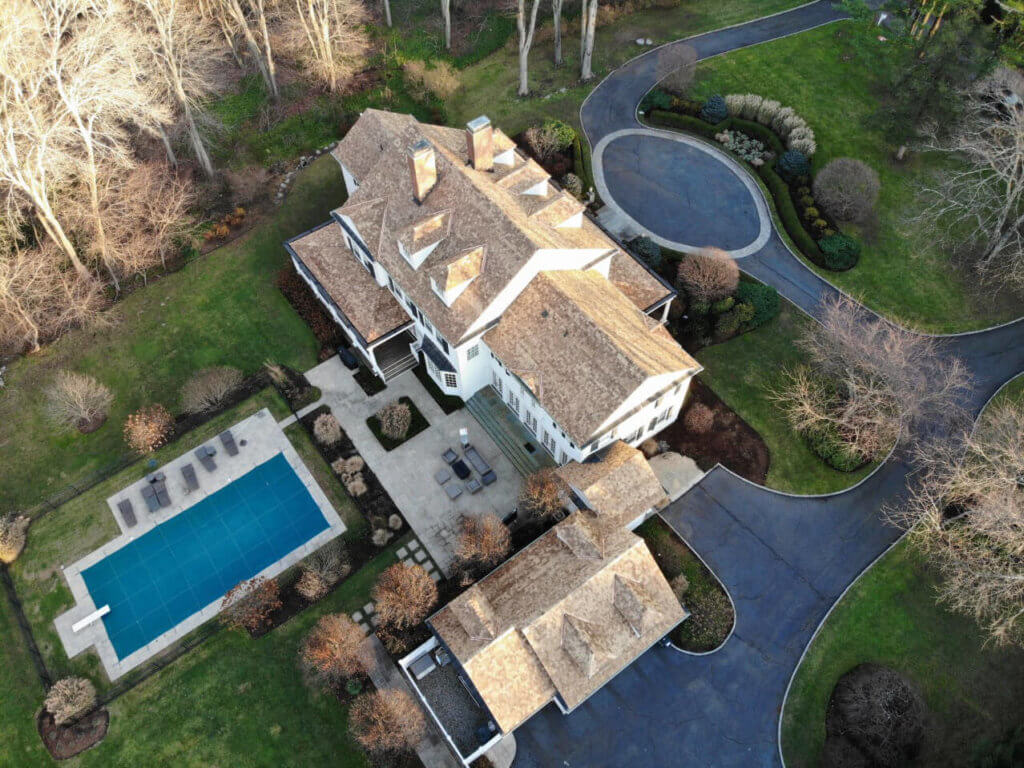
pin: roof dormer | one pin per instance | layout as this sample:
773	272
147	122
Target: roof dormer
452	279
420	239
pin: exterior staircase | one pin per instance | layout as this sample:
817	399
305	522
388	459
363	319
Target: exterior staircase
508	432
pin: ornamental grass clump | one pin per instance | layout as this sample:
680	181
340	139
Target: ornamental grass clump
395	419
326	429
209	388
69	699
13	529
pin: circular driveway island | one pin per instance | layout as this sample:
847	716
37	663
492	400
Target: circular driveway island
682	192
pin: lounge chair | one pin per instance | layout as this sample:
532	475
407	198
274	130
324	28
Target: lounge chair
449	456
453	490
161	493
124	506
473	486
460	469
442	476
152	502
488	477
474	457
228	441
188	472
205	455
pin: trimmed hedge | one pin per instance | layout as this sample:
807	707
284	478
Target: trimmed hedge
787	213
830	448
764	299
581	164
686	123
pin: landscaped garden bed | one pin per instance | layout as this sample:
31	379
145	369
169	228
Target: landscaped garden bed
417	423
63	742
368	381
729	441
448	403
711	612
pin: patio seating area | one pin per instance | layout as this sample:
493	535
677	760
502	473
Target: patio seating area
452	468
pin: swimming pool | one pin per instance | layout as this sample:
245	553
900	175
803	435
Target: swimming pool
158	580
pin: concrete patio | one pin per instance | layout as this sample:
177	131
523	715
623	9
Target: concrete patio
407	472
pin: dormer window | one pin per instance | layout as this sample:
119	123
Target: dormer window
451	280
506	158
419	241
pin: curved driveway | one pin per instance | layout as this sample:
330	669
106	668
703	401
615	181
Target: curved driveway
784	559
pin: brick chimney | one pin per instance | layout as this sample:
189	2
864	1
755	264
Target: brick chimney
422	169
480	143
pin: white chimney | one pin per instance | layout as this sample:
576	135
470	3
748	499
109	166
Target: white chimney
480	143
422	169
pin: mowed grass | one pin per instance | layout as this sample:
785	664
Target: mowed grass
489	87
973	691
22	693
826	75
221	309
743	372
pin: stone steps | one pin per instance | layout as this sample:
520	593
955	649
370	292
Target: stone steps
507	438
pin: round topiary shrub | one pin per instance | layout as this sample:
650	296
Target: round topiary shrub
812	213
840	252
727	324
714	110
879	713
573	184
792	165
648	250
847	189
699	419
763	298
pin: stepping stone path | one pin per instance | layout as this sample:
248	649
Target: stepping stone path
411	554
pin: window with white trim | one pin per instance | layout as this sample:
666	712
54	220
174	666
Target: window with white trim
472	351
432	369
531	422
451	380
513	401
496	381
561	456
549	442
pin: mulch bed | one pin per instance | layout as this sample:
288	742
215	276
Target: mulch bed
304	301
731	442
67	741
418	424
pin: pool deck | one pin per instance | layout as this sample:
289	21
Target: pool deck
264	439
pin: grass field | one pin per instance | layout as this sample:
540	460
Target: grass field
742	372
900	273
221	309
973	690
489	87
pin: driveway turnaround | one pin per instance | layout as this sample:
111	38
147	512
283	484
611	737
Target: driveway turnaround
682	192
784	559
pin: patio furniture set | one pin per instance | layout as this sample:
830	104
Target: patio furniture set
154	492
463	472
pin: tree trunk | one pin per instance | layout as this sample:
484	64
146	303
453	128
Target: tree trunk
589	27
556	12
197	140
53	228
446	14
171	157
387	12
268	53
525	43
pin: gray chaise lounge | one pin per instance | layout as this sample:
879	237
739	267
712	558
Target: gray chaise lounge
205	455
152	502
228	441
188	472
127	511
161	493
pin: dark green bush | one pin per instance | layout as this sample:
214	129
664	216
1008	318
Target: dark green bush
683	123
826	442
686	106
727	324
648	250
572	184
1008	753
656	99
699	308
806	200
839	252
763	299
581	164
714	110
722	305
812	213
745	312
793	165
562	132
787	213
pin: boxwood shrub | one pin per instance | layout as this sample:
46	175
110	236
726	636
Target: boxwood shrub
787	213
839	251
830	448
763	298
684	123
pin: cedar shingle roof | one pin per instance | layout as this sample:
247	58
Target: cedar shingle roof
582	347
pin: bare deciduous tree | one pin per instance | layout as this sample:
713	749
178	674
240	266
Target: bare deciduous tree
330	35
967	513
976	206
556	15
710	275
588	27
208	388
446	14
675	68
404	595
484	541
526	27
387	721
251	18
78	401
870	381
541	494
69	699
185	52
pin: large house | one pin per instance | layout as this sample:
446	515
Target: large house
455	250
561	618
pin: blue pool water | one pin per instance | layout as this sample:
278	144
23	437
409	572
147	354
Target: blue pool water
193	559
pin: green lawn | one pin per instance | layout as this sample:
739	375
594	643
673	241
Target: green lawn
826	75
973	691
221	309
489	87
85	523
232	701
742	372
